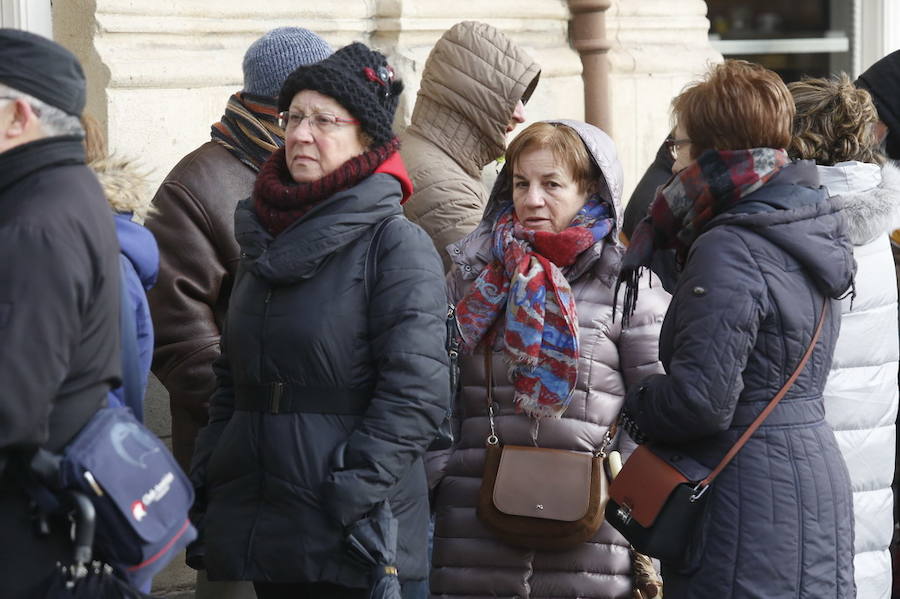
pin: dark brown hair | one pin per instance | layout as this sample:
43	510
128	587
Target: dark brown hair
736	106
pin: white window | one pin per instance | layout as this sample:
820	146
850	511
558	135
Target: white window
33	15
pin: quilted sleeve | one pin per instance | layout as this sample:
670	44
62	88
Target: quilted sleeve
716	313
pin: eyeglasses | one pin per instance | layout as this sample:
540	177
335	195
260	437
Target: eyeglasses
672	144
322	122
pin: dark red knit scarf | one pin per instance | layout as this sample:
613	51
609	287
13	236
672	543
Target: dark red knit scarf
279	200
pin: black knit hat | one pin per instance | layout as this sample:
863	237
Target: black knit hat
360	79
41	68
882	80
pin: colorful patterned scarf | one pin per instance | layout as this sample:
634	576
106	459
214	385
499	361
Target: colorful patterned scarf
540	328
709	186
249	129
279	200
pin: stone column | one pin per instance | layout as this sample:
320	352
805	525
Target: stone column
659	46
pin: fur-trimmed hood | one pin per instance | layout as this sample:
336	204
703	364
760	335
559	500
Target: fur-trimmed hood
126	186
870	196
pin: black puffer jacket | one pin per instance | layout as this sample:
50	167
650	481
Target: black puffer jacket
59	332
275	500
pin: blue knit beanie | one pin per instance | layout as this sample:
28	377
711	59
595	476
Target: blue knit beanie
270	59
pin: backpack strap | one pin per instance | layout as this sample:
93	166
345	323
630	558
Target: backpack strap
372	254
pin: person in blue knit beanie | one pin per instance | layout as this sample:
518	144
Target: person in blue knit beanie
194	226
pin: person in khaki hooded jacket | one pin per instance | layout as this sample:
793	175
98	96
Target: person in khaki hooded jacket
474	87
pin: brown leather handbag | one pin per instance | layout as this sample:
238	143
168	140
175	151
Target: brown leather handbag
658	497
550	499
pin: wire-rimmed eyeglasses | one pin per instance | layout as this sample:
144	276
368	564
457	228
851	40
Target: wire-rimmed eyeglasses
319	121
673	144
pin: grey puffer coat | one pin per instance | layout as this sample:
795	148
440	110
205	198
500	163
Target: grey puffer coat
468	561
778	521
279	486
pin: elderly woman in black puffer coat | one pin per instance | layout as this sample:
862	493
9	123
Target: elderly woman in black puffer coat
761	249
333	378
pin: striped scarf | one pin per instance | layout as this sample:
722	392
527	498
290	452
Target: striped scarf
706	188
249	129
524	283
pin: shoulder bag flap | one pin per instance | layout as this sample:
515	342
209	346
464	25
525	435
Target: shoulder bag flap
554	484
645	485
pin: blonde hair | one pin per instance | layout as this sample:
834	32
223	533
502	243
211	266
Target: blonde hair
835	122
565	144
738	105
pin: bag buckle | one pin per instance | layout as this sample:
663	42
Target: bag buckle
604	444
624	514
699	490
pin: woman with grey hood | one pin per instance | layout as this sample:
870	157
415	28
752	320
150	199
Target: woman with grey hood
835	125
533	288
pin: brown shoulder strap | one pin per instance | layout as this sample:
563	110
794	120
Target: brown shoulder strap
768	409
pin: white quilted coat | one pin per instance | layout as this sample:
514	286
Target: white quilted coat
861	393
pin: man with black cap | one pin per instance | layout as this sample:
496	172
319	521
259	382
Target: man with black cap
59	295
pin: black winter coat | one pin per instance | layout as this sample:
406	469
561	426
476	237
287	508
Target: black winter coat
277	494
778	521
59	330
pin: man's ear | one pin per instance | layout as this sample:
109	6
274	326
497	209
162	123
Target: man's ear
24	120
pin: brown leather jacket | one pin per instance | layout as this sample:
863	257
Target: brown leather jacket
198	259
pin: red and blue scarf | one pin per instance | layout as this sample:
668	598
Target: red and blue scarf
539	328
706	188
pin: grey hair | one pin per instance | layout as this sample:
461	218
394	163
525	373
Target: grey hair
54	122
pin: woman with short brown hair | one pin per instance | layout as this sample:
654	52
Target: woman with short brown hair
762	251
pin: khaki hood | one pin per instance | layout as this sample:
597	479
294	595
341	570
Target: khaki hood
472	80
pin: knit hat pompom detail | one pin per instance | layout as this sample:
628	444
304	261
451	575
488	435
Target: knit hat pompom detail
270	59
360	79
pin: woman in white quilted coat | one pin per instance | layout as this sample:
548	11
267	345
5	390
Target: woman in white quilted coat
834	126
550	229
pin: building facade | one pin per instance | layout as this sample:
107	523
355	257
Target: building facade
160	73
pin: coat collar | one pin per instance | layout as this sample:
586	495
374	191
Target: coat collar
298	252
20	161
